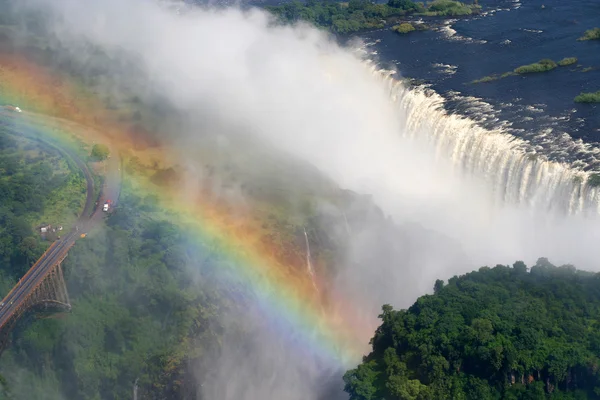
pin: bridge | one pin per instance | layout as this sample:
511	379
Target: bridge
43	288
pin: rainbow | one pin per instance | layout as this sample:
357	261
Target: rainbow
281	288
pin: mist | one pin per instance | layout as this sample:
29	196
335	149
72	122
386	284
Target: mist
237	73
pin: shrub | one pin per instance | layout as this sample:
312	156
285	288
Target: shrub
592	34
540	66
567	61
403	28
594	180
100	152
485	79
588	97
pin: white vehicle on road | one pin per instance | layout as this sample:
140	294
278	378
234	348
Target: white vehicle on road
106	205
13	108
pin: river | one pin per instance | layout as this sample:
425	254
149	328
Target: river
538	108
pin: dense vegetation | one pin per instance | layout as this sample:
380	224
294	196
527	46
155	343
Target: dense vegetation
593	97
136	299
591	34
362	14
135	306
499	333
36	187
540	66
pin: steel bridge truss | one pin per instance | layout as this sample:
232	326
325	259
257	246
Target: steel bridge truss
49	295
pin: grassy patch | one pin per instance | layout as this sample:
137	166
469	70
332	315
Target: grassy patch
65	202
544	65
493	77
591	34
485	79
593	97
567	61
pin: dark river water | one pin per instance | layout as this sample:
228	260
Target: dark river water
509	33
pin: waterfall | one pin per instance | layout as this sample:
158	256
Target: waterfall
346	224
135	389
309	266
514	170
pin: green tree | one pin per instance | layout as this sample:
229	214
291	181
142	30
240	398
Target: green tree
498	333
361	382
406	5
439	285
100	151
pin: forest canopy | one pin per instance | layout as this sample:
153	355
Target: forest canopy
498	333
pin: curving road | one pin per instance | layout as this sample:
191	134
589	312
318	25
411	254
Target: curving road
89	217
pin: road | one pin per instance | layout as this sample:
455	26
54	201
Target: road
90	215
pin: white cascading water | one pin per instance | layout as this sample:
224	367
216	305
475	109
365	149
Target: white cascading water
309	266
515	173
135	388
346	225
